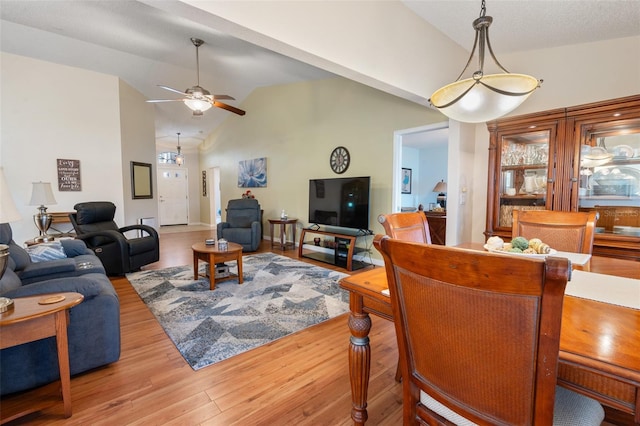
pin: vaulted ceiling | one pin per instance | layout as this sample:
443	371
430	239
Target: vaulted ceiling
146	46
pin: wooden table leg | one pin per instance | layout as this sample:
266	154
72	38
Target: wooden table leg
359	359
271	233
195	265
212	272
61	322
240	276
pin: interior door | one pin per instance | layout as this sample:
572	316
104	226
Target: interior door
173	196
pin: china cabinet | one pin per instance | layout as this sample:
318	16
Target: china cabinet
584	157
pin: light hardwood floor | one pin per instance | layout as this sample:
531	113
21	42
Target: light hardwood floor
301	379
298	380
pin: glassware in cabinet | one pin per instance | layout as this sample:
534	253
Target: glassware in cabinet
524	161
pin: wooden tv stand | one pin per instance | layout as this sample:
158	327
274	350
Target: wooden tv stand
342	248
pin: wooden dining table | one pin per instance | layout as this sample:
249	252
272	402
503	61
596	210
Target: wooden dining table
599	343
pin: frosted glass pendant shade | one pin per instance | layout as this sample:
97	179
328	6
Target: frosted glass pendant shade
197	104
471	101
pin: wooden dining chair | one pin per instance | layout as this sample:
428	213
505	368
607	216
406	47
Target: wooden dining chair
411	226
564	231
407	226
479	337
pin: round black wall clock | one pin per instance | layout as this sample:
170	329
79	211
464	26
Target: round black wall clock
339	160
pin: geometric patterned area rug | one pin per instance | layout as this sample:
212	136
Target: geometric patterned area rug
279	296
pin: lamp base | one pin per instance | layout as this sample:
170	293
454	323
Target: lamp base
442	200
43	222
43	239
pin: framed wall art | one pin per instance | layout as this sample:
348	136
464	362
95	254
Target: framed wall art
141	181
406	181
252	173
204	183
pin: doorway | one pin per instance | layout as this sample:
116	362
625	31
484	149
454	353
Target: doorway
173	196
429	164
215	205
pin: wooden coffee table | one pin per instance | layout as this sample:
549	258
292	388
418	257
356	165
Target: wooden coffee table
212	255
34	318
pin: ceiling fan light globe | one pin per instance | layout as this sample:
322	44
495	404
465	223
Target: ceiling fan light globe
197	104
481	104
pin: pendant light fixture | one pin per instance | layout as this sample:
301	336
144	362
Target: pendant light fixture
179	156
482	98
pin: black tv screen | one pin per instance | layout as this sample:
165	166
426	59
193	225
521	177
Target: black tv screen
342	202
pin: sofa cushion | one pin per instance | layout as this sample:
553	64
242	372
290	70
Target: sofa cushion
19	256
46	270
89	285
9	281
73	248
46	251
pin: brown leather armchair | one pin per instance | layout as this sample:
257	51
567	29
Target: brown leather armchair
94	224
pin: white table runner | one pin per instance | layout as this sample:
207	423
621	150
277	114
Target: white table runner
605	288
575	258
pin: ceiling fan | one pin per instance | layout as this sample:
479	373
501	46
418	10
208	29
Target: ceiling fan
196	98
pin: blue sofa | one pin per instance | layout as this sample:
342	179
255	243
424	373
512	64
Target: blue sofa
94	326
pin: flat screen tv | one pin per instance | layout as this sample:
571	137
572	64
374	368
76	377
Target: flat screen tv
341	202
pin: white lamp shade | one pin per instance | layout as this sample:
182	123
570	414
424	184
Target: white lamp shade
41	194
8	210
482	104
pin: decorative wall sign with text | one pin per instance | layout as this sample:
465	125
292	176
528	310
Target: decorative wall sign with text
69	175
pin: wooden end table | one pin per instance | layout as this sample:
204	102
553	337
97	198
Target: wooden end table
212	255
283	232
37	317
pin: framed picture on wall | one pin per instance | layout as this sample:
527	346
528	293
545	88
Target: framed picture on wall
252	173
141	182
406	181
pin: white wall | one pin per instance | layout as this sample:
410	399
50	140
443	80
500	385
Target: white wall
138	144
51	111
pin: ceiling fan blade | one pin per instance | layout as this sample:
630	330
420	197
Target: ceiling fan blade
225	97
171	89
229	108
164	100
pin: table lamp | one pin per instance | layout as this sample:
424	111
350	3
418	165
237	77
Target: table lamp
41	194
8	213
441	189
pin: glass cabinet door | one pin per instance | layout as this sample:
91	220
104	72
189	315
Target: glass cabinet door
524	173
609	176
